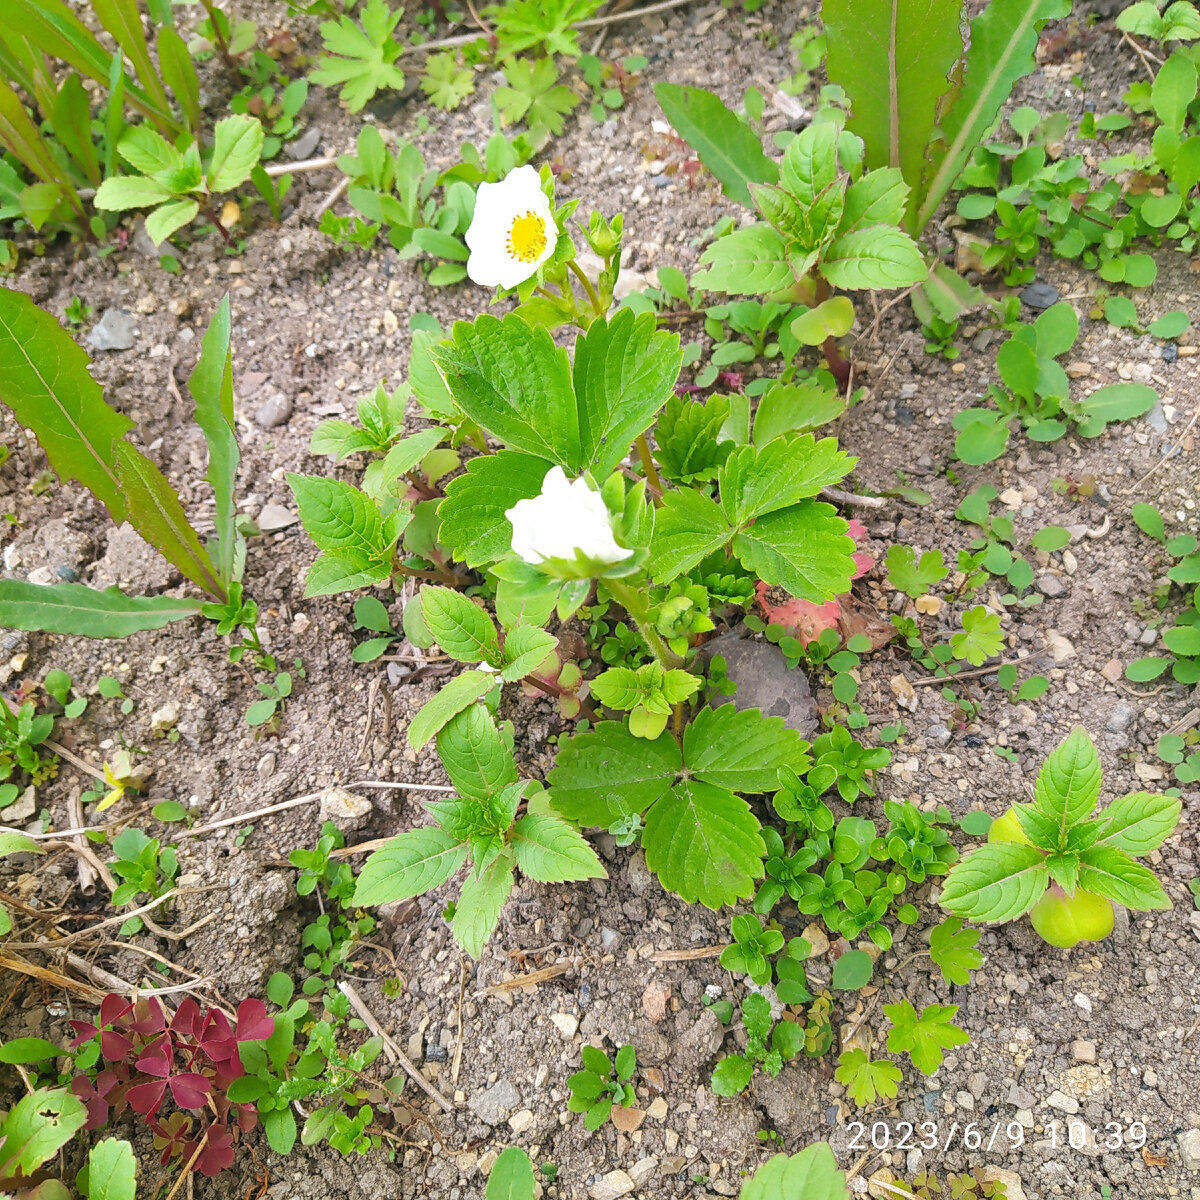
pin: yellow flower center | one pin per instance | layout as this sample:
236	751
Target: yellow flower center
527	237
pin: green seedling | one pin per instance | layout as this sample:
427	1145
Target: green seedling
271	707
765	1050
601	1085
1069	857
57	684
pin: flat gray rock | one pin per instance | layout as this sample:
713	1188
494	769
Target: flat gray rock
764	681
114	331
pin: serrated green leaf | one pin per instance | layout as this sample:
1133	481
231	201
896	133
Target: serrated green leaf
344	571
460	626
360	59
1068	785
994	883
732	1075
1139	822
75	608
741	750
745	262
525	649
237	147
785	471
551	851
866	1080
153	509
122	192
874	256
798	407
509	376
704	844
724	143
923	1038
474	755
409	865
479	905
461	692
1109	871
111	1168
804	549
446	83
913	576
338	517
606	774
687	528
472	517
624	372
39	1125
952	950
877	198
45	382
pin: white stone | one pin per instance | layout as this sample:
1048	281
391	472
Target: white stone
1189	1149
566	1023
612	1186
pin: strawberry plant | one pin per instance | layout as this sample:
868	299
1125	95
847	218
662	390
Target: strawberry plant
192	1056
1066	865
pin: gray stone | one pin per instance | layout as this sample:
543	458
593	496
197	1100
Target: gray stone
1021	1097
1189	1149
1039	295
1051	586
114	331
305	146
274	517
1121	717
1156	418
938	735
492	1105
273	411
764	681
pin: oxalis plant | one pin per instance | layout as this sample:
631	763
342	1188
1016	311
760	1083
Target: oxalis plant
1062	862
574	505
44	380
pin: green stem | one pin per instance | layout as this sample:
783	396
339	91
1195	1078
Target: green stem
593	298
652	479
634	602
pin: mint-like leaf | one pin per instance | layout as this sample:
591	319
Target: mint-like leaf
1139	822
551	851
475	756
478	910
409	865
1110	872
460	626
1068	785
996	882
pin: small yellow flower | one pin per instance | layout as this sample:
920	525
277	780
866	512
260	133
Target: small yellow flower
512	232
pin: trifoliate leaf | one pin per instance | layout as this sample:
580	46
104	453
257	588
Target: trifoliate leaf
687	528
804	549
685	438
783	472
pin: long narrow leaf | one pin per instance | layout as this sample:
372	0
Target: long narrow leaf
58	32
73	127
179	74
725	144
122	19
1003	40
153	509
45	381
894	59
19	134
211	386
74	608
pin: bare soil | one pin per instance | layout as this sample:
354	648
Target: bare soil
310	322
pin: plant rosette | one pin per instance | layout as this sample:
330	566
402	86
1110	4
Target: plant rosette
1060	861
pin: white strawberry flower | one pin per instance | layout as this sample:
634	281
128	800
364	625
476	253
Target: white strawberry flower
566	521
512	232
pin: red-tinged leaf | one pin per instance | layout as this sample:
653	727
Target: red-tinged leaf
145	1098
253	1022
150	1018
187	1018
114	1046
217	1037
190	1089
85	1031
156	1059
247	1117
113	1008
217	1153
93	1099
